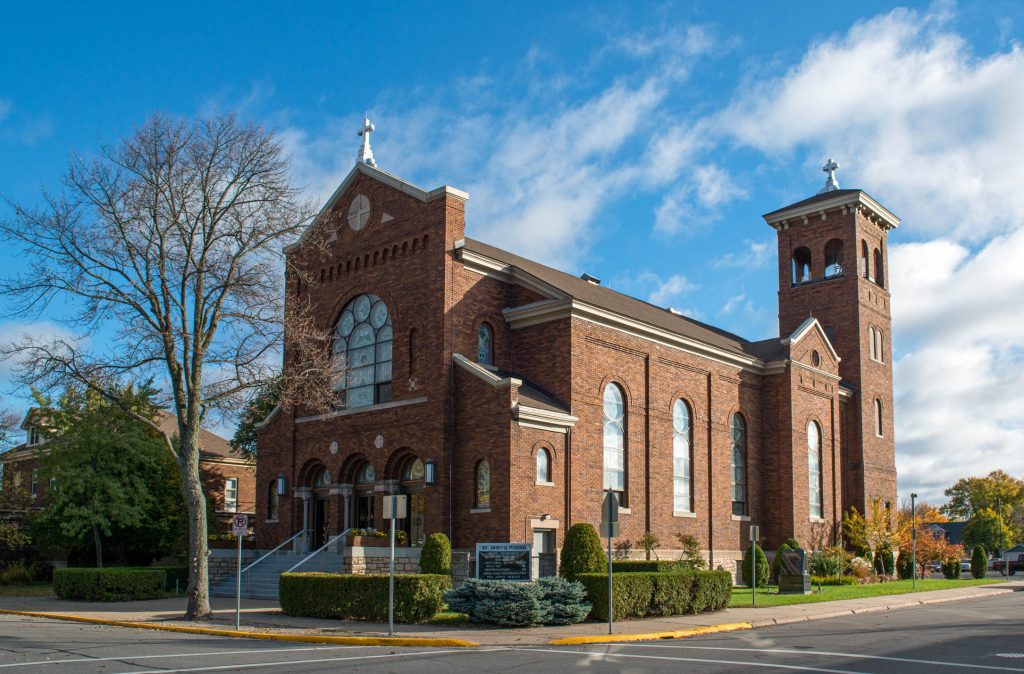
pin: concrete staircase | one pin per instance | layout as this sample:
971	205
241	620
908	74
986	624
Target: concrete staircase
261	582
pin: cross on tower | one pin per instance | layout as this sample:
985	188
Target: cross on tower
365	155
830	176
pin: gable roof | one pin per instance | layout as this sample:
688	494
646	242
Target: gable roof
833	199
605	298
210	444
811	324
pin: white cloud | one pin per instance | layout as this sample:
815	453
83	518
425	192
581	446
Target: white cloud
733	302
756	255
903	103
696	201
665	291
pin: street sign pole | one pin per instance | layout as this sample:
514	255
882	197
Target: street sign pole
239	527
755	533
610	528
394	509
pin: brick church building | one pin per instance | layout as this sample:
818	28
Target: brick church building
504	396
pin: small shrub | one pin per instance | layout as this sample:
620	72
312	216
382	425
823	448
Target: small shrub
649	542
499	602
979	562
860	568
643	565
362	597
16	573
833	580
581	552
777	562
833	561
436	555
691	551
905	565
109	584
638	595
567	600
793	544
763	570
951	569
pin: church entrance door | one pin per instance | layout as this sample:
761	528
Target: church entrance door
319	522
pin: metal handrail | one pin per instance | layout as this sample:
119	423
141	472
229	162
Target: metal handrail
319	550
274	550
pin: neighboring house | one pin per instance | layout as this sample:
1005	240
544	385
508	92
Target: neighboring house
228	479
504	396
953	532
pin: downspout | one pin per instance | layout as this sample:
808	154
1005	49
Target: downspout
711	480
647	444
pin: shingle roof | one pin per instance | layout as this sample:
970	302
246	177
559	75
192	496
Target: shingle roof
617	302
530	394
209	443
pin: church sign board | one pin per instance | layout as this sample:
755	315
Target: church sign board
793	575
504	561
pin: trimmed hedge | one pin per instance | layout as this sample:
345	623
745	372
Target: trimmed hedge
549	601
436	555
362	597
834	580
648	566
582	552
109	584
177	577
643	594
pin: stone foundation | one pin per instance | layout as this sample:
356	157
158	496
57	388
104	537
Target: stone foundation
378	560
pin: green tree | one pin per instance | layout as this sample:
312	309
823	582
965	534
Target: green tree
256	410
436	555
110	473
971	494
763	570
985	529
582	552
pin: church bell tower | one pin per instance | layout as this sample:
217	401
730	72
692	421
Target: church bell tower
833	254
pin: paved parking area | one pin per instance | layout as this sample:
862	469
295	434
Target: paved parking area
976	635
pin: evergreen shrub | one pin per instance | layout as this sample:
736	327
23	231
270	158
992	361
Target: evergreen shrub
777	562
905	565
643	594
16	573
763	570
109	584
887	560
436	555
549	601
582	552
418	596
793	544
951	569
979	562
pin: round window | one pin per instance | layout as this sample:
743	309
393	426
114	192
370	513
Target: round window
815	359
359	212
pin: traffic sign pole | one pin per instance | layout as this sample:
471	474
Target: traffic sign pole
391	580
239	527
610	527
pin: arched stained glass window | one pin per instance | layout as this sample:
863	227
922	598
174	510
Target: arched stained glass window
739	465
878	417
543	465
485	345
615	441
366	474
482	485
413	471
273	501
814	469
682	464
362	350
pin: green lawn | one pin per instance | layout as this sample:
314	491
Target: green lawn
40	589
449	618
771	597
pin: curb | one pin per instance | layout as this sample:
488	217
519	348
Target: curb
268	636
650	636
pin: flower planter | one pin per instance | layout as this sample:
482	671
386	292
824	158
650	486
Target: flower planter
372	542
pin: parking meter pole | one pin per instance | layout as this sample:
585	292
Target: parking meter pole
753	574
609	584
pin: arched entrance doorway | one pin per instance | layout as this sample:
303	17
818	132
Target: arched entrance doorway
319	521
412	485
362	498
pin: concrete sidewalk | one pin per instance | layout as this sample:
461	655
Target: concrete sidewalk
266	617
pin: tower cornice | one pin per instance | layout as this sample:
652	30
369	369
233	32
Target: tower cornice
818	206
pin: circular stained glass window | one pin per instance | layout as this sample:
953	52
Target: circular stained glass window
359	212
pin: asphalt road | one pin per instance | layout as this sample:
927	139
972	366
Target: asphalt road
966	636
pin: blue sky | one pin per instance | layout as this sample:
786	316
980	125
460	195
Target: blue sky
640	146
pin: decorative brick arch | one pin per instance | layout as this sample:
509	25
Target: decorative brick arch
347	474
397	460
308	470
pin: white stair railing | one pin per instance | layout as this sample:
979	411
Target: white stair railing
276	552
318	551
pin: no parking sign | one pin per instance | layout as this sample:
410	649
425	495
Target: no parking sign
240	525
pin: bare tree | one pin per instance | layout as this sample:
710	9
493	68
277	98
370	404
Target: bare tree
168	245
8	427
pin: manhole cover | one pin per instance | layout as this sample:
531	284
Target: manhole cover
1010	655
